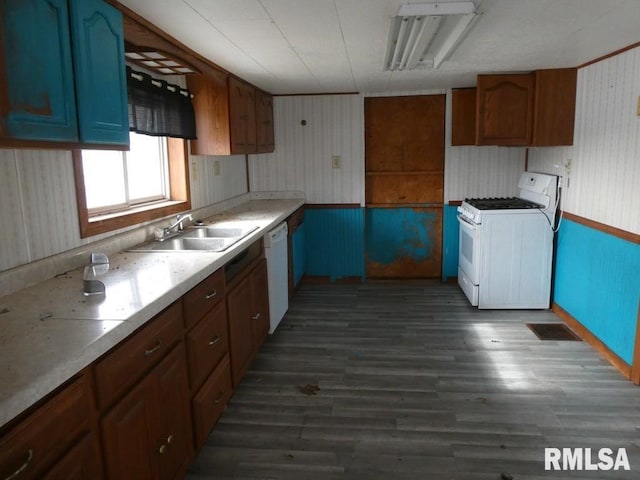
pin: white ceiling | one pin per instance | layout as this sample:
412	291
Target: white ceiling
323	46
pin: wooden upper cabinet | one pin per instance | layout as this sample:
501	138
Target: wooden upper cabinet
504	113
555	104
264	123
62	73
463	116
232	117
242	116
211	106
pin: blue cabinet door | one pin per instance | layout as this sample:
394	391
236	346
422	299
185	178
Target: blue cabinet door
98	56
37	95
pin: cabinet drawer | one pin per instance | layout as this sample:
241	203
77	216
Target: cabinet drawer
124	365
207	343
203	297
41	439
210	401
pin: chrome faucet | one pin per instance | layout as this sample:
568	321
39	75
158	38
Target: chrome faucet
176	227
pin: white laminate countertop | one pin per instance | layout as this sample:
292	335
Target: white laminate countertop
49	332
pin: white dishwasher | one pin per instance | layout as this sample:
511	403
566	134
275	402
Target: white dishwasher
275	247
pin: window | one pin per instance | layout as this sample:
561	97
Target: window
116	181
116	189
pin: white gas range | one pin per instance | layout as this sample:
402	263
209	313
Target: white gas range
506	245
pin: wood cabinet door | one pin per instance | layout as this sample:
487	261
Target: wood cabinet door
264	123
260	303
555	107
82	462
239	312
37	98
463	116
242	116
100	72
128	438
504	113
211	108
173	430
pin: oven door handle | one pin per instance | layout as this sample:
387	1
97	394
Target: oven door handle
464	222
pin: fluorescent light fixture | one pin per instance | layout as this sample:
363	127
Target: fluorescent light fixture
425	34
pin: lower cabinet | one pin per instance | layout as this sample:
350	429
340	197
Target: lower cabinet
248	314
137	412
56	440
147	435
209	403
81	462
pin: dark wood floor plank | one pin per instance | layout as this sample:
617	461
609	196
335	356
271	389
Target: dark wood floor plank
413	383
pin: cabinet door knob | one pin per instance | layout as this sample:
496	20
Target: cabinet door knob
169	439
23	467
219	398
152	350
163	449
256	316
211	295
215	340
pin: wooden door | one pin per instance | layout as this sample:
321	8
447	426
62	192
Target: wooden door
242	116
37	95
264	123
173	438
260	302
128	436
404	162
504	109
100	70
239	311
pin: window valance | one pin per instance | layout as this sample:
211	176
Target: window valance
158	108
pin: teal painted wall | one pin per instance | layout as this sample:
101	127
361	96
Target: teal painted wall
598	283
335	242
298	246
402	234
450	242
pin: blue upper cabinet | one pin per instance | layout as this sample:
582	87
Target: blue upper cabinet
63	78
37	98
98	58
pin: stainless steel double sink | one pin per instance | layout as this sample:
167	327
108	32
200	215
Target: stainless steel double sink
209	238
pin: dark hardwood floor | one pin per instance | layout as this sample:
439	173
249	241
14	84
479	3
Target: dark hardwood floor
388	381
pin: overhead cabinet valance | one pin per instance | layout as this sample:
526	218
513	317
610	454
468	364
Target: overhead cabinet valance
63	77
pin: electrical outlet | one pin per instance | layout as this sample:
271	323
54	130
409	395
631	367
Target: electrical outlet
216	168
336	161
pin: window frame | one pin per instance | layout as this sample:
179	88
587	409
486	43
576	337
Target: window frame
179	195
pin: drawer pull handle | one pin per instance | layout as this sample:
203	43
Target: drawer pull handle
24	466
211	295
256	316
215	340
152	350
219	398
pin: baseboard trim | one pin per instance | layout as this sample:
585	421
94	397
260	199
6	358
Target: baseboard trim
623	367
325	279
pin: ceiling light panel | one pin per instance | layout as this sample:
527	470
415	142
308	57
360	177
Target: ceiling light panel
423	35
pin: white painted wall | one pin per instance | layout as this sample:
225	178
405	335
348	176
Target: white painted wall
302	159
335	126
604	175
38	210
